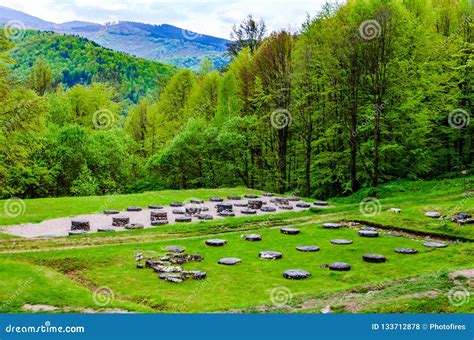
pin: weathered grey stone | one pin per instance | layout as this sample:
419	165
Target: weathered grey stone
111	212
340	266
368	233
176	205
134	226
183	219
374	258
368	228
290	231
178	211
332	225
303	205
393	234
175	249
435	245
80	225
204	209
251	196
252	237
307	248
226	213
320	203
294	199
197	257
270	255
255	204
223	207
120	221
134	209
241	204
194	274
159	222
171	277
216	242
268	209
341	241
296	274
285	207
234	198
155	207
205	217
282	201
216	199
167	269
158	216
197	201
268	194
229	261
105	229
248	211
433	214
77	232
192	210
406	251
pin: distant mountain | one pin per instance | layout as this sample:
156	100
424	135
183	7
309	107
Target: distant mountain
164	43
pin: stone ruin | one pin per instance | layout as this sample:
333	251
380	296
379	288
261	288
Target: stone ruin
158	218
169	267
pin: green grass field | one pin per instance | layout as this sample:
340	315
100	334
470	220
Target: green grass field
64	272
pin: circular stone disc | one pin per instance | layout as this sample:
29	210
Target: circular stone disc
226	213
175	249
198	274
176	204
303	205
296	274
216	199
294	199
341	241
406	250
105	229
368	233
433	214
253	237
76	232
178	211
251	196
285	207
290	231
133	226
205	217
134	209
374	258
234	198
196	201
320	203
270	255
332	225
268	209
241	204
181	219
435	245
307	248
248	211
268	194
216	242
151	206
340	266
229	261
111	212
159	222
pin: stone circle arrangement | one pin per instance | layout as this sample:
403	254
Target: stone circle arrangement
169	266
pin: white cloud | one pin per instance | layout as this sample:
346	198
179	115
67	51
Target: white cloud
204	16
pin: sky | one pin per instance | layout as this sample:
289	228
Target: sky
212	17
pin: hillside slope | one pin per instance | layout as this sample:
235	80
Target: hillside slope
76	60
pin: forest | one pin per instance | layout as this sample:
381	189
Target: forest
364	93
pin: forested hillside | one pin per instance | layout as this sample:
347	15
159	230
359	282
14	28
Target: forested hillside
74	60
365	93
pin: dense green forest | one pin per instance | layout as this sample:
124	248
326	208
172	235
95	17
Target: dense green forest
365	93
